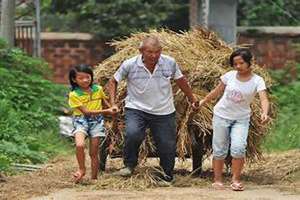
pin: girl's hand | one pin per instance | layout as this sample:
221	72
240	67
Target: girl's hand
109	111
264	118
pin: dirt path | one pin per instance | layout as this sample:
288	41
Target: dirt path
278	177
173	193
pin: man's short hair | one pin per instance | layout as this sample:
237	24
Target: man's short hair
153	40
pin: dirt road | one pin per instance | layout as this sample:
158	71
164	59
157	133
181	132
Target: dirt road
173	193
277	177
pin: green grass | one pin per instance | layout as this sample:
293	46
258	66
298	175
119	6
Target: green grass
285	134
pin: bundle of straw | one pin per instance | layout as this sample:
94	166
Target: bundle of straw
203	58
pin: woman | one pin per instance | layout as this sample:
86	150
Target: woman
232	115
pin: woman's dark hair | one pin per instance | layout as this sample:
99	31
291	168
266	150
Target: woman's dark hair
79	68
244	53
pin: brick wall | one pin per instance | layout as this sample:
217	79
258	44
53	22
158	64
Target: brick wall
272	47
64	50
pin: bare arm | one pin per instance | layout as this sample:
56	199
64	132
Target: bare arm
112	90
264	105
106	103
214	93
95	112
186	89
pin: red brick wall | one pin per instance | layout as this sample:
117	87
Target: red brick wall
63	53
272	46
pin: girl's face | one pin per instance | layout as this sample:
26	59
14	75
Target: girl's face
83	80
240	65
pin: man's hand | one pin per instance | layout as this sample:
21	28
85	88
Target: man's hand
115	109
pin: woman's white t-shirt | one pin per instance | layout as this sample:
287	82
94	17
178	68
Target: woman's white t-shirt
235	102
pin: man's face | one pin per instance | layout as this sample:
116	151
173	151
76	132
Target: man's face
150	54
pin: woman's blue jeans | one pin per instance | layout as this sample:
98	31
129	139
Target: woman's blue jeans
233	133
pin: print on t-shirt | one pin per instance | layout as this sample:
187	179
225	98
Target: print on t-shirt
235	96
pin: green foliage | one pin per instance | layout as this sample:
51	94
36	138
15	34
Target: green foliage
18	60
109	19
268	13
286	131
28	105
3	43
4	162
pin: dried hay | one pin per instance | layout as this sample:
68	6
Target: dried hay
276	167
203	59
146	176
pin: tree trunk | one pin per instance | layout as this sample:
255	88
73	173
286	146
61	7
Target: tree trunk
199	11
193	13
8	21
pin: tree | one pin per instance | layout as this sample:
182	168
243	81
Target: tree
269	13
7	21
193	12
110	19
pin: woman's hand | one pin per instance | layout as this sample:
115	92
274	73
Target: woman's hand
195	105
201	103
264	118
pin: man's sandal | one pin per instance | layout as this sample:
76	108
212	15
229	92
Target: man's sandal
237	186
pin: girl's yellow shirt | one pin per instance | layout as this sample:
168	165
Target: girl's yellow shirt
92	101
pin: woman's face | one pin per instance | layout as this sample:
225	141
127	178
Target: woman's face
240	65
83	80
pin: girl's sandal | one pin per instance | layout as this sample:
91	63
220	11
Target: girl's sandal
237	186
78	176
218	186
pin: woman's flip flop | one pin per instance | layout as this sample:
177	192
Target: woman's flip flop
218	186
236	186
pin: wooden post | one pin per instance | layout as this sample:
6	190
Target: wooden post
37	39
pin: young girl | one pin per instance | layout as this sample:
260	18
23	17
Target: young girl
232	115
86	100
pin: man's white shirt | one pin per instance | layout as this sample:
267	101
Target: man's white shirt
151	93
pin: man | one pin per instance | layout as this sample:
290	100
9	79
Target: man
149	104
